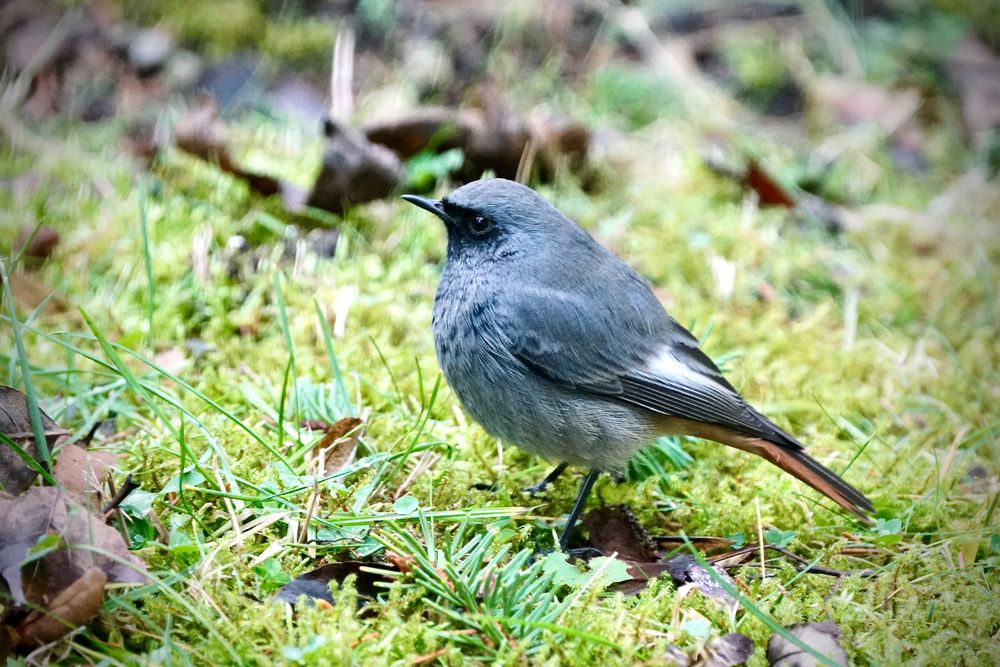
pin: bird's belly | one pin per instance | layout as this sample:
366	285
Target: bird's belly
521	408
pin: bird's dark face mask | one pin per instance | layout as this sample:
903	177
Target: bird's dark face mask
468	230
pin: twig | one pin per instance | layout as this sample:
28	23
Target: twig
228	503
526	162
128	486
803	565
341	76
303	535
421	659
760	538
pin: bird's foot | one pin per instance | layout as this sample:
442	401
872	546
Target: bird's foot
483	486
535	489
576	553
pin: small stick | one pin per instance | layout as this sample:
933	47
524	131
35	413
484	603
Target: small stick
760	538
310	509
128	486
803	564
426	462
230	509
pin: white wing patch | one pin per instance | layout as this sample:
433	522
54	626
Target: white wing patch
666	365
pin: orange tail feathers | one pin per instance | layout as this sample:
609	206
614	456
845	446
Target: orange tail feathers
795	462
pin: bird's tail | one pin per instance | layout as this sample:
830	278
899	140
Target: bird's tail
790	457
800	465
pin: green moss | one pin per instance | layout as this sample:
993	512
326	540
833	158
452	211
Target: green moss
299	41
638	96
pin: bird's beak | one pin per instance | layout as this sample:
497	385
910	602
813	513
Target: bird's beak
432	205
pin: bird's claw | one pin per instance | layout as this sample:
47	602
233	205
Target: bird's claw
535	489
576	553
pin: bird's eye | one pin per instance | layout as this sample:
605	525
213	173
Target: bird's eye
481	225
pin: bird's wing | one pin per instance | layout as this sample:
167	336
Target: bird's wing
628	349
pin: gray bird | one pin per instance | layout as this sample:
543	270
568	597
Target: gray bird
554	344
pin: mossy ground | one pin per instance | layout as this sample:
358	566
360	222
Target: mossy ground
876	346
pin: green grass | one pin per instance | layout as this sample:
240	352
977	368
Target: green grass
906	411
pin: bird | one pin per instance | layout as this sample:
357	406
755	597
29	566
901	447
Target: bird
553	343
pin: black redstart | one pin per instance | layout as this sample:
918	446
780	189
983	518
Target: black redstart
554	344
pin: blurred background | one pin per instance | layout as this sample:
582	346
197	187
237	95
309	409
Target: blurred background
418	91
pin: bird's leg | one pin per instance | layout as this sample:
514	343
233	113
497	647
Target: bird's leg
551	477
581	500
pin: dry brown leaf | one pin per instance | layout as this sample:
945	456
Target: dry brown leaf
47	510
315	584
72	607
615	529
824	638
492	137
37	243
338	445
29	293
80	472
354	170
15	423
771	193
441	127
641	574
728	650
684	569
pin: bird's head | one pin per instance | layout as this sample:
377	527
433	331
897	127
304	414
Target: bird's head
497	218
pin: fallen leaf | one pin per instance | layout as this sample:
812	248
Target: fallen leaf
750	174
677	657
491	137
771	193
440	128
338	445
202	133
15	423
695	19
76	605
80	472
315	584
354	170
37	243
823	637
558	135
685	569
640	575
615	529
30	293
728	650
48	511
